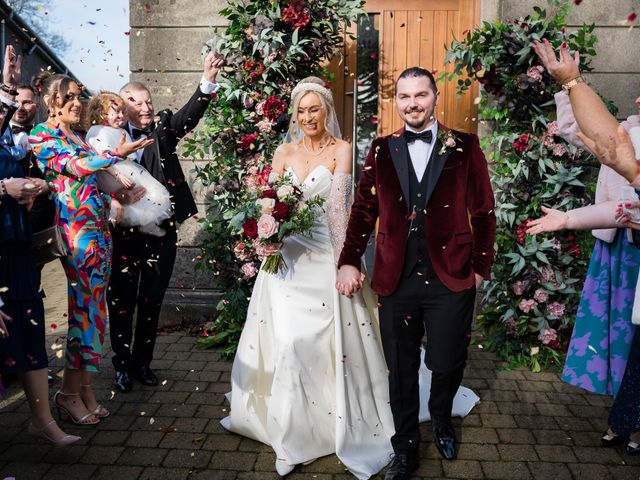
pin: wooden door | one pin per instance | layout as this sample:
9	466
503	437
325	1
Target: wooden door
409	33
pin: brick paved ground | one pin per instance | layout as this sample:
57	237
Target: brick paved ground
528	426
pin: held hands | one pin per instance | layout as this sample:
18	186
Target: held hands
41	185
552	221
619	155
127	148
11	70
22	189
212	65
563	69
349	280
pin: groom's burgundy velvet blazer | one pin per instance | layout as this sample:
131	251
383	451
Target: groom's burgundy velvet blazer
459	219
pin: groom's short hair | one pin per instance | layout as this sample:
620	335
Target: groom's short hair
419	72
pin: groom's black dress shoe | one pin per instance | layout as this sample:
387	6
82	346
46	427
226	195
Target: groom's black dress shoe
401	467
122	382
444	437
146	376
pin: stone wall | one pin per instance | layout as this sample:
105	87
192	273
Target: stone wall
166	40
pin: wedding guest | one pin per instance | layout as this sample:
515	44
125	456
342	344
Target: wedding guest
609	141
70	165
22	330
600	131
142	262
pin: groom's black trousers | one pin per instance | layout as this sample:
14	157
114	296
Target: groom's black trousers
420	304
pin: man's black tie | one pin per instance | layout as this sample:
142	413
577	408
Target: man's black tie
16	129
136	133
425	136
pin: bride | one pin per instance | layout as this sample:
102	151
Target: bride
309	377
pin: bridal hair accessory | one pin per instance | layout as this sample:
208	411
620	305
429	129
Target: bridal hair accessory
312	87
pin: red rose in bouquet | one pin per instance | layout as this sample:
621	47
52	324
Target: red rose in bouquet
250	228
269	193
280	211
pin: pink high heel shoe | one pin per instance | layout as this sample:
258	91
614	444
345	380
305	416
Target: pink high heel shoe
42	434
100	411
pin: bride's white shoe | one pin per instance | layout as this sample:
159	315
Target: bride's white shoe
283	468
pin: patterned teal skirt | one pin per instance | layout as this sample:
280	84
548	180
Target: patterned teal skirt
602	335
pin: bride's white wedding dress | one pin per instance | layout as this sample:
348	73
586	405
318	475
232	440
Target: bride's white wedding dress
309	377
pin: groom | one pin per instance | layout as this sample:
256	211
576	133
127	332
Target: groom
428	187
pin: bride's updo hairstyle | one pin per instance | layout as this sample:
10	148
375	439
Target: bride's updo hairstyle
48	85
314	85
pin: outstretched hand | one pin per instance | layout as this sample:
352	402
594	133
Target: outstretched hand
563	69
127	148
552	221
12	67
212	65
619	154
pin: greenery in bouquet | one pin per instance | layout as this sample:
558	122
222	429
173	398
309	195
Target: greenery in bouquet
267	215
530	304
269	45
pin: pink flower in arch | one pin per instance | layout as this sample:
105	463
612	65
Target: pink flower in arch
556	309
540	296
527	305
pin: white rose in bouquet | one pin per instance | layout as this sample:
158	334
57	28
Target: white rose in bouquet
266	205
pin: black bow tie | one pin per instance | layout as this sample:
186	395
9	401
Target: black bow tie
136	133
16	129
425	136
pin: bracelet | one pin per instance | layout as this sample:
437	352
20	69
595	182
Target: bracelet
3	189
9	90
572	83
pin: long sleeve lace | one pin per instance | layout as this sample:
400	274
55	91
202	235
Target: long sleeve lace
338	206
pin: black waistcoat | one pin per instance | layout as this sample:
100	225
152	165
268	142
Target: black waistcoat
417	257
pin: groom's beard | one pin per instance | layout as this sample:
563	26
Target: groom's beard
421	122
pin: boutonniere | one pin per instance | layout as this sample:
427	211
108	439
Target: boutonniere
448	140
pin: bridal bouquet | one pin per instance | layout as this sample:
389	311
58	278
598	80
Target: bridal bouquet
271	211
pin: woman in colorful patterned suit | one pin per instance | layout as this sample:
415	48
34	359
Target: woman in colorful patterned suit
70	166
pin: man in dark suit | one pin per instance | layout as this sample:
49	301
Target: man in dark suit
428	186
142	263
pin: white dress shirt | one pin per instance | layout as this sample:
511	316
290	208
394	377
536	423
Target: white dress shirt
420	151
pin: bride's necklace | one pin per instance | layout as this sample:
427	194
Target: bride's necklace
320	150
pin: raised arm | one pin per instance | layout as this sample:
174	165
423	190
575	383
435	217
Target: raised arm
187	118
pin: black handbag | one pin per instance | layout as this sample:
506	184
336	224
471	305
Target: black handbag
47	245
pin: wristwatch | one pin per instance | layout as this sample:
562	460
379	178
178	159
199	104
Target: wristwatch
572	83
